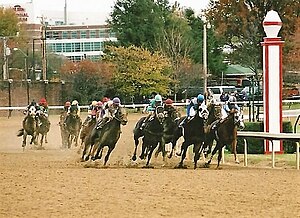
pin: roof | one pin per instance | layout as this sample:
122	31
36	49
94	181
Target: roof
238	70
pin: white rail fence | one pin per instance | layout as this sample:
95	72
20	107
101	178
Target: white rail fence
270	136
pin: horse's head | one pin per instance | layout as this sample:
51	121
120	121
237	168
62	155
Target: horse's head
215	112
32	111
121	115
159	113
238	118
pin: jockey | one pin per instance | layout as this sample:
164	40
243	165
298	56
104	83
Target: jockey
154	103
110	110
44	107
67	106
196	103
92	112
100	111
168	106
229	105
74	108
37	111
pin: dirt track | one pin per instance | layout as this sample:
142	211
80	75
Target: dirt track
53	183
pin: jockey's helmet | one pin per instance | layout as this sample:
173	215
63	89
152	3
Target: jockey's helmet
67	104
169	101
75	102
43	101
105	99
116	101
232	98
200	98
94	103
158	98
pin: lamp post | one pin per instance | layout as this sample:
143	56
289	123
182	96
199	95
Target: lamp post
205	75
272	68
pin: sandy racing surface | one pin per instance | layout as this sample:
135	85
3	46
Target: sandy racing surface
53	183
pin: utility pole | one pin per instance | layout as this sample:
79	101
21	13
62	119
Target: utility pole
44	58
5	76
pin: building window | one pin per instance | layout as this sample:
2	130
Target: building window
68	47
65	35
58	47
97	46
93	34
77	47
102	34
83	34
87	46
74	35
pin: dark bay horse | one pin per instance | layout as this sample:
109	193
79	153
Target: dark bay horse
193	134
108	136
72	127
225	133
151	134
43	128
29	127
171	117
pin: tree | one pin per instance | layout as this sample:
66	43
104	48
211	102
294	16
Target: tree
8	22
239	23
138	22
90	79
139	72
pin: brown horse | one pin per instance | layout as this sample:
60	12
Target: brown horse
43	128
72	127
29	127
225	133
108	136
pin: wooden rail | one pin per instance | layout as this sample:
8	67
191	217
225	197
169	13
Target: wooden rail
270	136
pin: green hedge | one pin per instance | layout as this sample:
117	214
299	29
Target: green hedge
256	146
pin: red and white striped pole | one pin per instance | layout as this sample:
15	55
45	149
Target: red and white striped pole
272	71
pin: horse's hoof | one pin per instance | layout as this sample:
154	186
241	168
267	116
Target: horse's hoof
133	158
178	154
237	162
148	167
206	165
180	166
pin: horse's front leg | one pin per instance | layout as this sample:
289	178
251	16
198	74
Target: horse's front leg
184	147
136	143
151	149
213	153
46	139
197	152
233	147
24	140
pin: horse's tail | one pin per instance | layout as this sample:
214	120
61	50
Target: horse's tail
20	132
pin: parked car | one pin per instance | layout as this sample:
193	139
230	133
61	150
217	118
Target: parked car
248	93
218	90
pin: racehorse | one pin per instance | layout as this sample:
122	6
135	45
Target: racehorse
193	134
108	136
72	126
169	126
152	134
87	128
43	129
225	133
63	130
29	126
